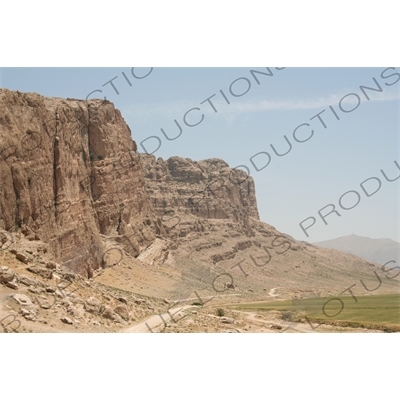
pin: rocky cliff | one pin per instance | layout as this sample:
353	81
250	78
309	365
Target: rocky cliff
70	176
207	189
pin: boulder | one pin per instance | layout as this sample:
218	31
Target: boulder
66	320
92	305
109	313
50	289
6	274
123	312
22	257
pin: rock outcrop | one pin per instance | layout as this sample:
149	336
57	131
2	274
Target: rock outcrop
207	189
71	177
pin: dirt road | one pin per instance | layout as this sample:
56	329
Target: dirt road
155	321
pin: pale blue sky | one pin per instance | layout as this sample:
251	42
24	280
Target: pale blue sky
292	187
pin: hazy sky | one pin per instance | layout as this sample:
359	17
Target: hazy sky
319	177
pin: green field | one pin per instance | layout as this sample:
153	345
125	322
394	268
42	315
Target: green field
373	311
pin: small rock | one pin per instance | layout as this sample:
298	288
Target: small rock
45	305
66	302
23	299
56	276
24	311
226	320
66	320
76	299
12	285
35	289
75	311
25	230
123	300
51	265
165	301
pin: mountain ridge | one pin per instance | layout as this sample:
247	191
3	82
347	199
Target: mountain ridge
375	250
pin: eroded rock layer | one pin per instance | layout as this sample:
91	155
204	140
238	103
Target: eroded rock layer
207	189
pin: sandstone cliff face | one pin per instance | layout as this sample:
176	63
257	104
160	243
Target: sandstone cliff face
207	189
71	177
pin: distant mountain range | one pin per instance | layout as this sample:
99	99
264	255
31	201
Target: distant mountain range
374	250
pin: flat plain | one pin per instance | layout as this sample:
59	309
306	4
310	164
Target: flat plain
367	311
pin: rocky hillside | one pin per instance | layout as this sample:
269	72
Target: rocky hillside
213	239
70	176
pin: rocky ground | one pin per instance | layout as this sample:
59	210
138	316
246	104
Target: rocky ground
40	295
